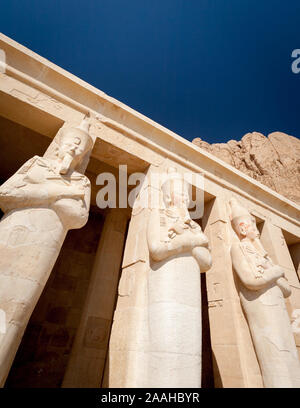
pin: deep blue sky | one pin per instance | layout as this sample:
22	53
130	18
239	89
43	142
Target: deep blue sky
214	69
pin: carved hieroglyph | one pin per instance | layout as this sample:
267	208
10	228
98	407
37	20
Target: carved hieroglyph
45	198
262	289
178	252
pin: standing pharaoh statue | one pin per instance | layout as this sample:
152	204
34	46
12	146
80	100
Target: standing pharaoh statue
262	289
45	198
178	253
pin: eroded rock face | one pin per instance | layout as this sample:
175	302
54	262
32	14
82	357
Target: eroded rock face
273	160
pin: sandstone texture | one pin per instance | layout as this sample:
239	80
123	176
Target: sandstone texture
273	160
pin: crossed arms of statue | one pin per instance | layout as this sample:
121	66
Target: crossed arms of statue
273	274
187	241
33	188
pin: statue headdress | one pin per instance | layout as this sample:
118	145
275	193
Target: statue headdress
82	131
237	210
173	179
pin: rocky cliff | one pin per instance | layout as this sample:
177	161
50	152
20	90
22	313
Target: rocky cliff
273	160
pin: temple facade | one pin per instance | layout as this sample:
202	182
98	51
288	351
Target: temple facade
136	293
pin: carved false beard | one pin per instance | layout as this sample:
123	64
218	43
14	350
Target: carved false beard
66	163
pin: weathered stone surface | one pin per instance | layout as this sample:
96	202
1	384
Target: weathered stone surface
273	160
263	287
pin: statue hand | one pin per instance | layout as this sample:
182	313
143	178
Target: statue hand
78	192
284	286
196	240
201	239
203	257
7	193
58	192
4	192
277	271
171	233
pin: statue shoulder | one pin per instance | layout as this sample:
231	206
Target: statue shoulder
238	255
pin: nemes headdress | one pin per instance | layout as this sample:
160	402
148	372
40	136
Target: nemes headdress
237	210
81	131
174	180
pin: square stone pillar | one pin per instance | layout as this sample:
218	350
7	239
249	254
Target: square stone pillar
126	365
234	360
274	243
127	346
87	360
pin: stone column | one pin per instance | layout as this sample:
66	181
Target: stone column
234	360
156	333
87	360
127	359
178	254
274	242
263	287
48	196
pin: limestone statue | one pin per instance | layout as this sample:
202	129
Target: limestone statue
262	289
45	198
178	253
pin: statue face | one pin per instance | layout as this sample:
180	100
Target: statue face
177	195
246	227
72	148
